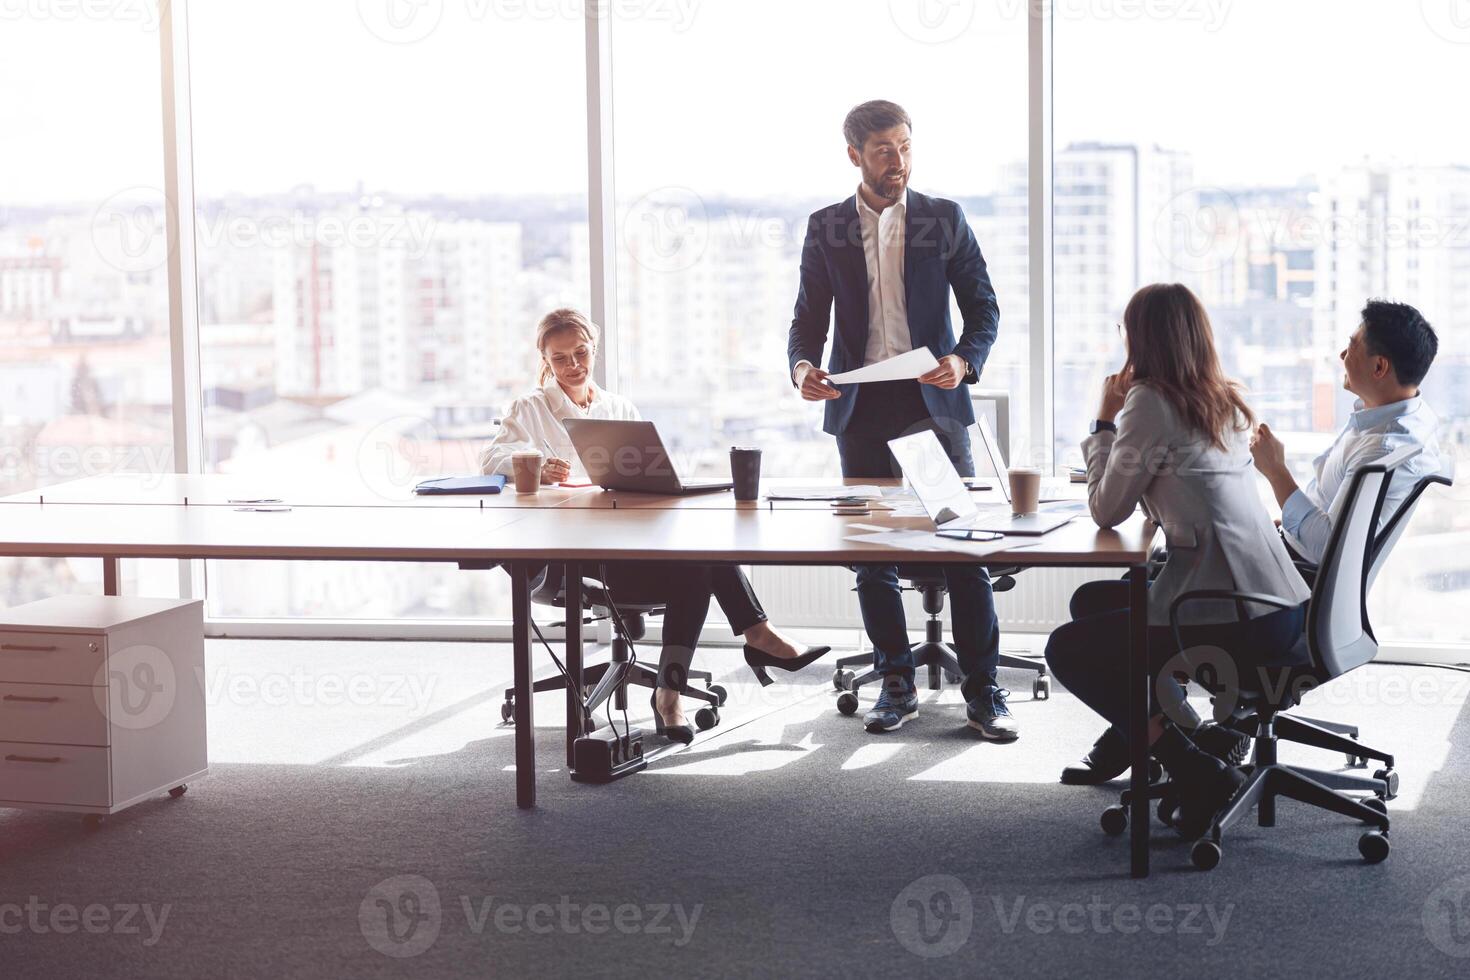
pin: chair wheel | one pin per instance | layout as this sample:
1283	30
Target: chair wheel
1114	820
507	712
1374	803
1206	854
1390	780
847	703
707	718
1155	772
953	679
178	791
1168	810
1041	688
837	681
92	821
1373	846
719	692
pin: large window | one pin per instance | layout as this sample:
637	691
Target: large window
1287	185
729	134
84	341
389	195
385	206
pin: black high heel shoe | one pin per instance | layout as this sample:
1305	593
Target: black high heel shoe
683	734
759	660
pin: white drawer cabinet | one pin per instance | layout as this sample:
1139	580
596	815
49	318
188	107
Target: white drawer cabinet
101	702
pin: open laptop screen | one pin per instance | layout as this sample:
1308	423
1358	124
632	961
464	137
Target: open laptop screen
933	477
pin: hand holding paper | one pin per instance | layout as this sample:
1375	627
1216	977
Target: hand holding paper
907	366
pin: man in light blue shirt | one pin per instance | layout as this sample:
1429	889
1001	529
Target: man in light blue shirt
1383	363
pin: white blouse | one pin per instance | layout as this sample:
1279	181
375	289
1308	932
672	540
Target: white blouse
533	421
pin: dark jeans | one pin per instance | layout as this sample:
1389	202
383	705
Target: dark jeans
886	411
684	590
1090	654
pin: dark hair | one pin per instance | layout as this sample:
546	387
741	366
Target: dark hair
872	117
1398	332
1172	348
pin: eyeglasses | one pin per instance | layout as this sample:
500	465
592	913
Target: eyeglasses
582	355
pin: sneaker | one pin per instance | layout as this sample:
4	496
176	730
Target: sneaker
989	716
897	704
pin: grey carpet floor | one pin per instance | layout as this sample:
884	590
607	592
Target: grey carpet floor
372	832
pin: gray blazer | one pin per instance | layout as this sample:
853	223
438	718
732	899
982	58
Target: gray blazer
1218	532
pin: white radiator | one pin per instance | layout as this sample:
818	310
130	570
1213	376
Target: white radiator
823	597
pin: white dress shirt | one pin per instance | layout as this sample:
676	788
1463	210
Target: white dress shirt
533	421
888	312
1370	434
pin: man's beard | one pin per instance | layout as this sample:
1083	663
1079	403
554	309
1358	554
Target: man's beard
888	188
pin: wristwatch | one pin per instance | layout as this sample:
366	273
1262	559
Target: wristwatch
1102	425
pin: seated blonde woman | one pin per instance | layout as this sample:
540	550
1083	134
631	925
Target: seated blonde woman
567	342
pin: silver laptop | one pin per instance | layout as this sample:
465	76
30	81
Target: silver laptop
624	455
948	503
1052	491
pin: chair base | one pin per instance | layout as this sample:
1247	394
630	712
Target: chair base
610	681
1267	780
943	666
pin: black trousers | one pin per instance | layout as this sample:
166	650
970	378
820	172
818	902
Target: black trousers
1090	654
684	590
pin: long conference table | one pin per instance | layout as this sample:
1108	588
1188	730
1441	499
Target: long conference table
225	516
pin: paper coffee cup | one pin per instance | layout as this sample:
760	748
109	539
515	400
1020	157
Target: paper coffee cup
526	467
1025	489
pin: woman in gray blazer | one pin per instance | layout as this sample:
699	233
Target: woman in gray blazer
1172	434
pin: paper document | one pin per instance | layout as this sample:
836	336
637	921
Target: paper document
863	492
929	541
904	367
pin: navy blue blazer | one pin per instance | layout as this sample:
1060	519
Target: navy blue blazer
940	254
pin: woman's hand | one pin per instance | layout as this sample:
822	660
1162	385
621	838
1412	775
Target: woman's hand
555	470
1114	393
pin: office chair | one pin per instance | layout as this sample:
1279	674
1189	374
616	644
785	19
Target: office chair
938	656
1337	736
610	679
1338	639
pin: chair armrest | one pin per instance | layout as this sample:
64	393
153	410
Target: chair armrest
1204	594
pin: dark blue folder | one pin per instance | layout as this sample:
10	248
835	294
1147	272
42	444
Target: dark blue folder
463	484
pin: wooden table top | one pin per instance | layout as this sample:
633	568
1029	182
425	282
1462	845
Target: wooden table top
131	516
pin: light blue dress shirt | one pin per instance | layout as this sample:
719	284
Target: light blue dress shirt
1370	434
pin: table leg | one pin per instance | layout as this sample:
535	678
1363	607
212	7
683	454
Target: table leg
575	707
1140	707
520	604
111	583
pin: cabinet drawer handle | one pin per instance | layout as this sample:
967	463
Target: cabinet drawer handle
21	697
33	758
25	648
